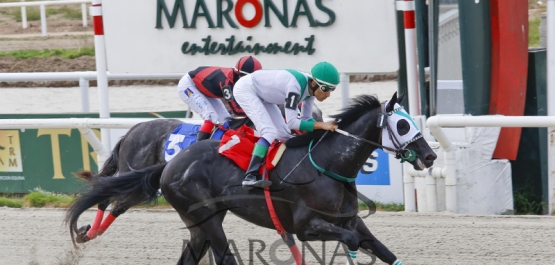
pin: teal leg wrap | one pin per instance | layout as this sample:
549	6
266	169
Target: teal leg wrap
353	254
397	262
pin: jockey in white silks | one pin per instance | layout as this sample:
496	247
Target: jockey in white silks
259	94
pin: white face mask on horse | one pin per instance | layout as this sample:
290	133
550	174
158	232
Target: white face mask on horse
398	131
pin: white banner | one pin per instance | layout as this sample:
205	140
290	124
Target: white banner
175	36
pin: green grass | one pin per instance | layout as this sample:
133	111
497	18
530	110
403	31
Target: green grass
71	12
11	202
527	202
534	33
41	198
62	53
386	207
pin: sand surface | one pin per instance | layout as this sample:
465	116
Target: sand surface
37	236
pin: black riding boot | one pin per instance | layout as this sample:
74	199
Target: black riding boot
202	136
252	177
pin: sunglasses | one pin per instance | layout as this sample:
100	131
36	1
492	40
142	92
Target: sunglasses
324	88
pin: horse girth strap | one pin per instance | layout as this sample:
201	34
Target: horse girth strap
328	173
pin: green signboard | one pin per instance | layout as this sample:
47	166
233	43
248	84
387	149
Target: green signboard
46	158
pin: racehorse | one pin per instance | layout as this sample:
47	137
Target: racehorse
143	146
315	198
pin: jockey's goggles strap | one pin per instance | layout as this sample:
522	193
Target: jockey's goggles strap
241	72
324	87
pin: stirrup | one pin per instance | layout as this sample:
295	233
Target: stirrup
250	181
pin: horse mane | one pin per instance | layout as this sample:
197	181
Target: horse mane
357	107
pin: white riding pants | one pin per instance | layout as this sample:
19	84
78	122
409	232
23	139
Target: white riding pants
212	109
266	117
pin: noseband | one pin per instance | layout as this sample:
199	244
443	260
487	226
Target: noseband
400	148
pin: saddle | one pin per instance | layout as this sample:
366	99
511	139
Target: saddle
237	145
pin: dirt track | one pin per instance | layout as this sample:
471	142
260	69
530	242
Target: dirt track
37	236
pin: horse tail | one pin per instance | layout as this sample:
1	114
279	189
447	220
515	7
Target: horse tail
110	167
130	188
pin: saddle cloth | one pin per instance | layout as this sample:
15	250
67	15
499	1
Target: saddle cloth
237	145
183	136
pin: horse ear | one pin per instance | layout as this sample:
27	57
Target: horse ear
400	98
391	103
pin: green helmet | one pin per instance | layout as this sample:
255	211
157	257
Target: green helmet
325	73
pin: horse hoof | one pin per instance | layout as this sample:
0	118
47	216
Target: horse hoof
82	234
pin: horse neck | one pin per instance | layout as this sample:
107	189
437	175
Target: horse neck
346	155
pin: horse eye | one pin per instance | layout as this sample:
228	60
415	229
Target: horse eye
403	127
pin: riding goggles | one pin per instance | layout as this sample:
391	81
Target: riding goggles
325	88
241	73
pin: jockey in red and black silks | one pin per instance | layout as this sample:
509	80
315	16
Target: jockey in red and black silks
217	82
201	89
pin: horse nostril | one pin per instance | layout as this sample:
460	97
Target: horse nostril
431	157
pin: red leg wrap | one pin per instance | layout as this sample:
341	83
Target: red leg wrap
97	220
106	223
206	127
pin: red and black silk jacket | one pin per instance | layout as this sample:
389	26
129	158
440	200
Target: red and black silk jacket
217	82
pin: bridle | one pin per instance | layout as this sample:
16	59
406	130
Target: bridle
399	150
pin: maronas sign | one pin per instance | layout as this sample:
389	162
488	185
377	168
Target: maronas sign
264	9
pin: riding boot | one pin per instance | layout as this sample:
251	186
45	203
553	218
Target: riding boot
252	176
202	136
205	131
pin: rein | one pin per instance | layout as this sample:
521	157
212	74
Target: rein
399	150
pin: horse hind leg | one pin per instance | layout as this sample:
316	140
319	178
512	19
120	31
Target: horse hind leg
195	249
211	226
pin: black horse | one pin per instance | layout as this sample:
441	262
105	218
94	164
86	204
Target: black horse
142	146
315	198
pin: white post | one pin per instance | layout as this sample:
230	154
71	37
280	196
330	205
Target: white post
101	69
344	83
551	103
84	87
408	189
24	16
410	48
43	19
84	14
431	193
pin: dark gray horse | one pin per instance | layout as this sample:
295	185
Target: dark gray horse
142	146
318	200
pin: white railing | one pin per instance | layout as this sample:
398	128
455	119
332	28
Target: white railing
436	123
42	5
84	125
83	78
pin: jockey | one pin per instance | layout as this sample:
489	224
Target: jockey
259	94
201	89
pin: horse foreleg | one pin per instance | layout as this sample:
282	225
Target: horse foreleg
371	244
290	242
320	230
